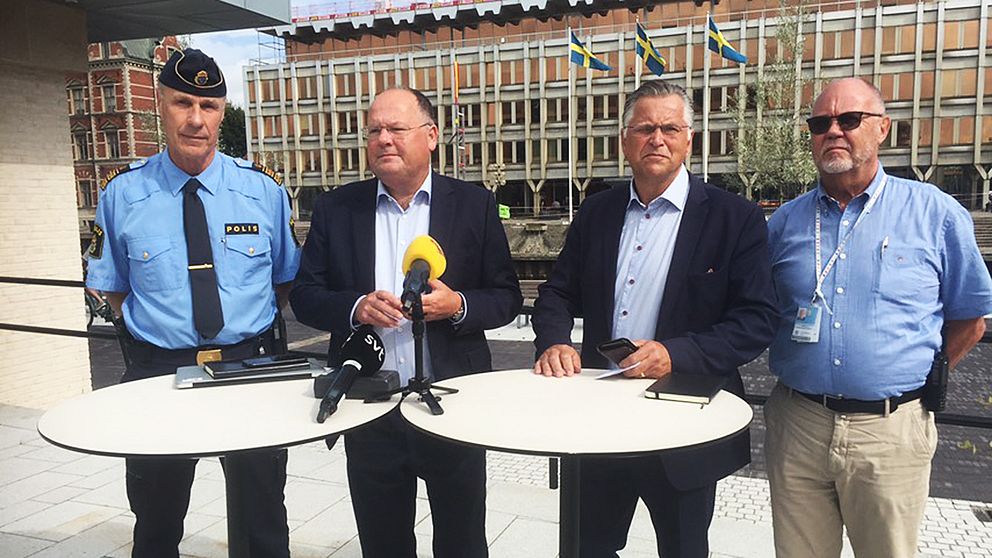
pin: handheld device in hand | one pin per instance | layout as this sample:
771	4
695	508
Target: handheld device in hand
617	349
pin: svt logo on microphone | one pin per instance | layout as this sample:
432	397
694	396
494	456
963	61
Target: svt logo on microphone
373	341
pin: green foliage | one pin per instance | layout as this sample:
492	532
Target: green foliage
232	140
772	145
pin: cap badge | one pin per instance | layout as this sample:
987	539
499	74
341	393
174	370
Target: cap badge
201	78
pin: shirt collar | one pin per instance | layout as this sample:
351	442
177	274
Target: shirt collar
176	178
423	195
873	187
676	194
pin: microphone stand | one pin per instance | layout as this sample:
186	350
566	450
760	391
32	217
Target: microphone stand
419	384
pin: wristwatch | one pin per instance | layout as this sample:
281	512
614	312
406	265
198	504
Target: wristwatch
460	313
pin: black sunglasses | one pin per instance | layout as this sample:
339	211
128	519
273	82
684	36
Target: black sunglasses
846	120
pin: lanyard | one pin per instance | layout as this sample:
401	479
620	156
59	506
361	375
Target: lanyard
821	270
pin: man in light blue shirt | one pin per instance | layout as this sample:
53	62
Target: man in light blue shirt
195	249
873	274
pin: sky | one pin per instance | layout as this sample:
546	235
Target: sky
232	50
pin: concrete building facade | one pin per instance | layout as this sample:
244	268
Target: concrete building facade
305	114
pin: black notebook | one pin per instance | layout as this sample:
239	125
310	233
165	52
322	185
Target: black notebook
691	388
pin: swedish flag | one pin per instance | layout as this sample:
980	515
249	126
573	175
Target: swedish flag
581	55
720	45
655	62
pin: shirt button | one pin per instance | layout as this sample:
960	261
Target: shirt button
251	249
836	362
843	256
630	281
845	222
144	255
647	215
623	313
639	247
840	290
402	361
836	325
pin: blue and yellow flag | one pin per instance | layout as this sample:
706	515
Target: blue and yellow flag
720	45
583	57
643	47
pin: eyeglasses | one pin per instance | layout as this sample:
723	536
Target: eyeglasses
846	120
395	131
647	130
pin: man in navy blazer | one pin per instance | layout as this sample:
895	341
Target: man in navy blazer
351	274
680	267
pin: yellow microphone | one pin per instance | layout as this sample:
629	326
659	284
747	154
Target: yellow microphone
427	249
423	261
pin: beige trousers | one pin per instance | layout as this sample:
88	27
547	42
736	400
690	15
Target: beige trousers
829	470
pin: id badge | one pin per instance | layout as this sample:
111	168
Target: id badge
807	328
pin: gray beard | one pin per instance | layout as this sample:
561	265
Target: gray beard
837	166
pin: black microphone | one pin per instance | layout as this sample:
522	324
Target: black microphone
362	354
415	283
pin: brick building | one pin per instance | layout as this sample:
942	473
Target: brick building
113	114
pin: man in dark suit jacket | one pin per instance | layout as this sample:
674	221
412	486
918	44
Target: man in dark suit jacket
682	268
351	275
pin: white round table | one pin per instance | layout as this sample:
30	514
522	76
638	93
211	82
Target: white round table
151	418
518	411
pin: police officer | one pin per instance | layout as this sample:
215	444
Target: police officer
195	249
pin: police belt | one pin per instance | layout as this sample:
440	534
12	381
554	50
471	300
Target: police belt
878	407
206	353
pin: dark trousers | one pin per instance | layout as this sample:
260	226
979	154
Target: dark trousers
384	460
158	489
609	489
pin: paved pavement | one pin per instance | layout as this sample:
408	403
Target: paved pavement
56	503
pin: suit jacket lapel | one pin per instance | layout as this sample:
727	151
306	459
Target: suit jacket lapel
612	228
442	209
363	236
690	231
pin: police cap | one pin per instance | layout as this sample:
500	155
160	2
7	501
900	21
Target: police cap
193	72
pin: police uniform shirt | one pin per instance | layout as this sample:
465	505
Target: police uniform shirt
139	247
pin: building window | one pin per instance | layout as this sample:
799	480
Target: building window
80	146
85	197
109	98
78	101
113	144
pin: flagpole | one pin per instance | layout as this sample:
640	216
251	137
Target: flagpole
640	62
706	97
571	123
455	120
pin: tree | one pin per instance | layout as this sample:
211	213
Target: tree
232	140
772	146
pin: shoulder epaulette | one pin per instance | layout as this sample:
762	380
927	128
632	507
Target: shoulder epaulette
267	172
258	167
119	171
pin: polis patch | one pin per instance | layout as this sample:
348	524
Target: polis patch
241	228
96	244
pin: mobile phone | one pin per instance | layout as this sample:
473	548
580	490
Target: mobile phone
271	360
617	349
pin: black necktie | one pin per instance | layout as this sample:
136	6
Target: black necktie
207	314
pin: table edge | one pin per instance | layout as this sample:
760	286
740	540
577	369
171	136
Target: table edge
618	455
